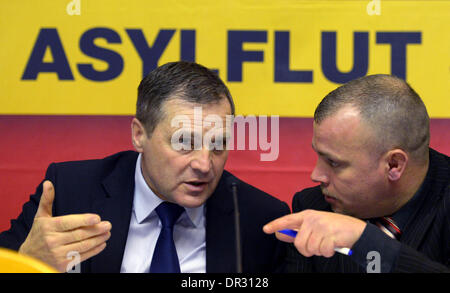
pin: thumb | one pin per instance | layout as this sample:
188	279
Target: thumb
46	203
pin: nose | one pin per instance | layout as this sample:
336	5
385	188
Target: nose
319	175
202	161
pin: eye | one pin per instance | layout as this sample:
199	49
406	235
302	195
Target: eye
217	144
185	143
332	163
216	148
218	151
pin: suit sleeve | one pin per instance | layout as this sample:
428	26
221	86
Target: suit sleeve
394	256
412	261
279	264
295	262
20	227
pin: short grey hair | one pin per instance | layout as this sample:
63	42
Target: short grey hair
184	80
388	105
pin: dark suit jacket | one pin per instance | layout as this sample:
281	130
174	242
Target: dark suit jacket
425	242
106	187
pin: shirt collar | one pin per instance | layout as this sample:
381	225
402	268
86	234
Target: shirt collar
146	201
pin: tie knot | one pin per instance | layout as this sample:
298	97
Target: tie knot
169	213
388	226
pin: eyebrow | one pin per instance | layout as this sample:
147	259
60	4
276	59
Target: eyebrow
325	154
192	134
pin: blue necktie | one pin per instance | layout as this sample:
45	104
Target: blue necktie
165	258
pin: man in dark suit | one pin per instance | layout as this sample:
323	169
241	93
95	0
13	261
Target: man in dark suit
109	213
383	192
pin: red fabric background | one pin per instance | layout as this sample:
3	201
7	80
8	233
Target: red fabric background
30	143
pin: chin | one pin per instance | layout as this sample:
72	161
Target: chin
189	201
341	211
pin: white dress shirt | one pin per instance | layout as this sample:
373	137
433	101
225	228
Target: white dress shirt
145	226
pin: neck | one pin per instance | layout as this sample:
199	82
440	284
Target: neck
410	184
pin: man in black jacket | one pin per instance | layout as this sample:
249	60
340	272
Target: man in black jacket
383	192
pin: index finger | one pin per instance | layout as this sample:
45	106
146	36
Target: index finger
292	221
71	222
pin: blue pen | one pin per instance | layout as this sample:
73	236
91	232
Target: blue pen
293	233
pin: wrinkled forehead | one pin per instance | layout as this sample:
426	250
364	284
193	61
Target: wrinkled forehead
183	114
178	106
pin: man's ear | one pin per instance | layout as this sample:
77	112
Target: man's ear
396	161
138	135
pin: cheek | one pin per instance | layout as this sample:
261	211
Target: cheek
219	162
363	187
347	184
176	168
163	164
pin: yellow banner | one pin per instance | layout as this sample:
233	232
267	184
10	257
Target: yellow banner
277	57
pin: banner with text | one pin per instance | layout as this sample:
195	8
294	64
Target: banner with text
84	57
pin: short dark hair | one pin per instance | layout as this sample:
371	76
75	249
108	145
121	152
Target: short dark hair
184	80
389	106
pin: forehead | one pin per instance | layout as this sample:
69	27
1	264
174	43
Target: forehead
177	106
341	133
180	113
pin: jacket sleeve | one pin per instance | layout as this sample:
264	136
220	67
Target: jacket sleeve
295	262
411	261
281	247
20	227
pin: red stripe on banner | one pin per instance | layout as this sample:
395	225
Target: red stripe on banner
31	143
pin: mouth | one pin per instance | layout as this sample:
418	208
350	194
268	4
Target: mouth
330	199
196	185
325	193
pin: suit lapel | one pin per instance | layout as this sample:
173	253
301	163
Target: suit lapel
220	234
115	205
